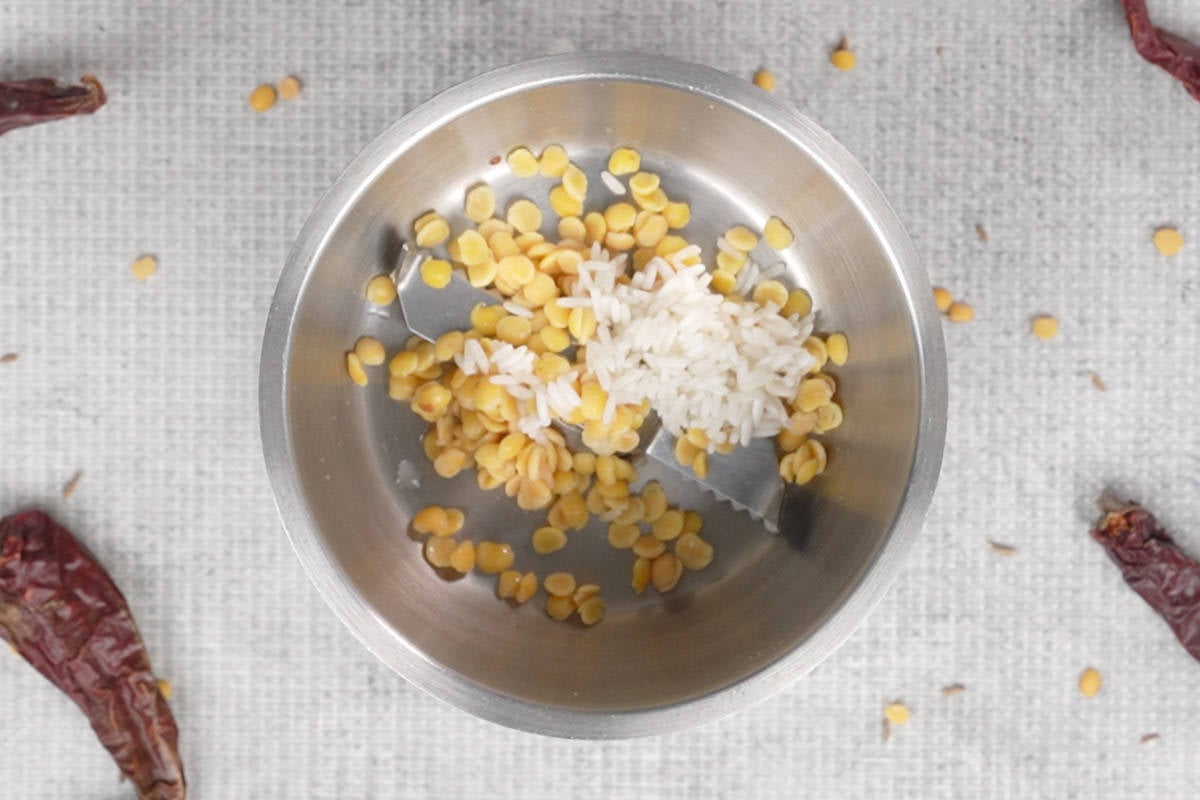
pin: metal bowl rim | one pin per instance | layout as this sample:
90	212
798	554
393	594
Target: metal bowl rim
353	610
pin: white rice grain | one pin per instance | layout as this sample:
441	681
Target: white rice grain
516	309
612	182
774	271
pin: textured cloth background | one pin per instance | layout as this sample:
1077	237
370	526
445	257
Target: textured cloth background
1034	119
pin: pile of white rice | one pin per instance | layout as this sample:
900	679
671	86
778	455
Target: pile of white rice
703	361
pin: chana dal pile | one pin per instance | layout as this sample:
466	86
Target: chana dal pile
577	338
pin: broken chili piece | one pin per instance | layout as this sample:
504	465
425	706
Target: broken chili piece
63	614
1151	562
29	102
1162	48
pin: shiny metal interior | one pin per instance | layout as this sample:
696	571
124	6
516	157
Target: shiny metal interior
347	466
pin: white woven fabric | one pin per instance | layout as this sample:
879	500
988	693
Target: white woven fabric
1036	120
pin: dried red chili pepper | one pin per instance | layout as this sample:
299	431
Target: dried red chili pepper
62	612
42	99
1173	53
1151	562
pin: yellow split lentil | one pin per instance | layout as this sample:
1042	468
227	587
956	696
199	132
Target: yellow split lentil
653	201
144	266
812	394
439	550
289	87
491	226
622	536
555	339
548	540
809	462
436	272
619	242
480	203
632	513
770	291
369	351
843	59
484	318
450	462
517	270
462	559
828	417
262	98
1168	241
942	298
559	584
507	583
1044	327
591	610
574	183
624	161
777	234
424	219
668	526
522	162
647	546
765	80
723	282
585	592
559	608
665	572
799	302
447	345
524	216
742	238
482	274
473	248
1090	682
527	588
730	262
960	312
677	214
644	183
685	450
838	347
493	557
641	575
433	232
432	519
354	369
381	290
553	161
618	217
693	552
896	714
651	231
654	499
563	204
670	244
571	228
